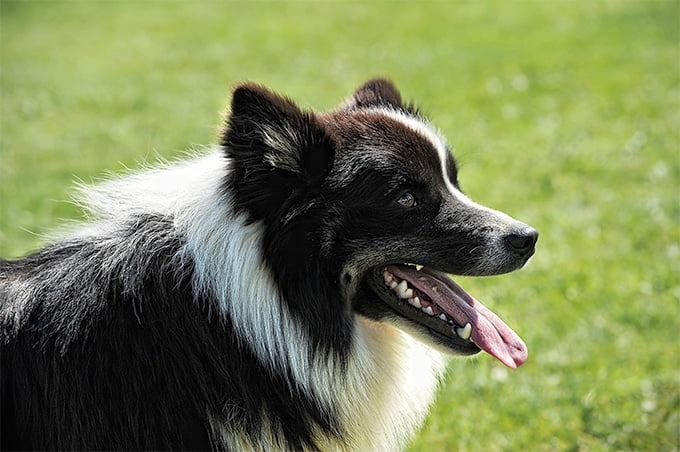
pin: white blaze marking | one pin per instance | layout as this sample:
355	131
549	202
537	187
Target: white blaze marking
438	142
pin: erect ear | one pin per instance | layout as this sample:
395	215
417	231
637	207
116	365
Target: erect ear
268	132
375	93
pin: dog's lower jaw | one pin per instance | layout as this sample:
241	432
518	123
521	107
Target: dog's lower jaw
429	305
370	302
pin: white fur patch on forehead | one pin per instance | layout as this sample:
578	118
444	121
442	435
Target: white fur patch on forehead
430	133
420	126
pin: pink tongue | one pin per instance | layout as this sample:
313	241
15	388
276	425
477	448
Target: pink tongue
489	332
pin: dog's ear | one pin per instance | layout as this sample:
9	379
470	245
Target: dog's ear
280	154
377	92
268	132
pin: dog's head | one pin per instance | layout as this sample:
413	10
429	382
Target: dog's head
363	203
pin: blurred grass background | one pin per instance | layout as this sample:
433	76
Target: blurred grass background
565	114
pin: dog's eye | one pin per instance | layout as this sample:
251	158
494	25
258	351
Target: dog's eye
407	200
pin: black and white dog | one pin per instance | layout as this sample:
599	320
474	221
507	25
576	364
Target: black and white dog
287	290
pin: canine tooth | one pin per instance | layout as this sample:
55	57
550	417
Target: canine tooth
393	284
415	302
465	332
443	317
428	310
419	267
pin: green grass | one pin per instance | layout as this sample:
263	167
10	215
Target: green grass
564	114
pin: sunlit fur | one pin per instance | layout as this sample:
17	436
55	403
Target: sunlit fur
369	391
222	302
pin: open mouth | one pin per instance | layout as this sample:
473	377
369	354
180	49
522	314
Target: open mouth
430	299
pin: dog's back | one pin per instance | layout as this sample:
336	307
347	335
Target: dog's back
93	350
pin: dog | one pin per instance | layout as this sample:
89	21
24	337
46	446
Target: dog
284	290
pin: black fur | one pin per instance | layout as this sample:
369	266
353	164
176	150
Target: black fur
284	190
118	326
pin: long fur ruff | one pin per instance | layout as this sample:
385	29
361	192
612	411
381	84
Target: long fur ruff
166	243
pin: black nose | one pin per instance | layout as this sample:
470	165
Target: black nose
523	241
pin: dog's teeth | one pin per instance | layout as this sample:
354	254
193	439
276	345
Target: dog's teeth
408	293
428	310
464	332
419	267
435	288
443	317
415	302
393	284
387	277
401	289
